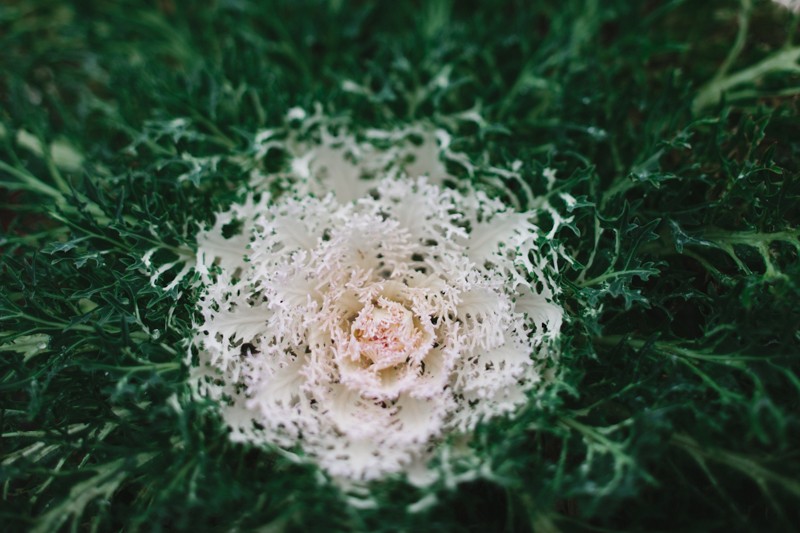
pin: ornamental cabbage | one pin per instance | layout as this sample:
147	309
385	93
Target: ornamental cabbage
367	313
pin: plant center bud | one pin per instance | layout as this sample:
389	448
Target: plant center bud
384	335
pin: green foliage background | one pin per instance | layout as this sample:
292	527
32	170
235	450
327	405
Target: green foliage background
677	404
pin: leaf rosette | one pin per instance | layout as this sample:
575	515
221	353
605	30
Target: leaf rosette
363	320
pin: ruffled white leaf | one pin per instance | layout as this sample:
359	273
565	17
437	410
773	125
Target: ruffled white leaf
546	316
331	166
483	313
244	323
282	390
506	229
419	418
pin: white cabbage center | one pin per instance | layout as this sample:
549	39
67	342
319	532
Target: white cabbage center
384	336
383	351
